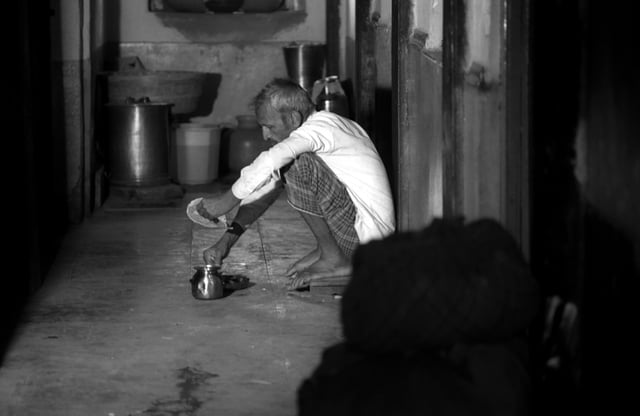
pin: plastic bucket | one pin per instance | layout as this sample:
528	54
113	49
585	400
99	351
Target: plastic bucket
197	153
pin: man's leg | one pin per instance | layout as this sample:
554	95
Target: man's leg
330	258
323	201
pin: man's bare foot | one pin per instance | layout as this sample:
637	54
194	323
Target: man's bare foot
320	269
310	258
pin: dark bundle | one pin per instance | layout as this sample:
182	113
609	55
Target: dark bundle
469	381
450	283
350	384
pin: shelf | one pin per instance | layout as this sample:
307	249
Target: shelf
198	7
237	27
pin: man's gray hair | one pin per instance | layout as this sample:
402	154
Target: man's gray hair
285	96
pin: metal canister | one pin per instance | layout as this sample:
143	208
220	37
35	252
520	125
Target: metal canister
305	62
329	95
206	284
138	133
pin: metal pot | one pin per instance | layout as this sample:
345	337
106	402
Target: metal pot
261	6
206	284
138	142
329	96
305	63
245	143
223	6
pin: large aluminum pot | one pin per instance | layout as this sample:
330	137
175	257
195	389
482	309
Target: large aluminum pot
180	88
305	63
138	135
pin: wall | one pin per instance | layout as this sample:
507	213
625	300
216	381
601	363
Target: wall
72	96
35	169
245	50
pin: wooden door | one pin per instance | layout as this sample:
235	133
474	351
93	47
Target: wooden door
461	112
418	115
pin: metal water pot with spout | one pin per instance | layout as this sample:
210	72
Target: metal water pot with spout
206	283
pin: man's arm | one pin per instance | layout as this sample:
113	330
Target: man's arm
212	208
250	212
246	215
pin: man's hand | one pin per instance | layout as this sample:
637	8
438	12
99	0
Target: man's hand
245	216
220	250
207	209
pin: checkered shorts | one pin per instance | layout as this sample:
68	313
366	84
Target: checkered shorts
313	188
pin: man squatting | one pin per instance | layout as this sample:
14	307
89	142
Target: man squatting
332	175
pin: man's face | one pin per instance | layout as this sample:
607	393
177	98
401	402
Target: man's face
275	126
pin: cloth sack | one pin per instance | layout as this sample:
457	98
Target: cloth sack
449	283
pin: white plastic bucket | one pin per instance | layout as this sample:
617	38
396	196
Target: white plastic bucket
197	153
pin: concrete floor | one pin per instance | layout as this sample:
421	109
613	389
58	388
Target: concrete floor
116	331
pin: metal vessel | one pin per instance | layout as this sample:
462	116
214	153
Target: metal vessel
245	143
329	95
138	142
305	63
206	283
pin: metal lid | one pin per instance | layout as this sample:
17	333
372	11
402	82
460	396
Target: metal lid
143	101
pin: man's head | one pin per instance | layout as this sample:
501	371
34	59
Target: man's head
281	107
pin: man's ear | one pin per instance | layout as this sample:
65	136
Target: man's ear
296	118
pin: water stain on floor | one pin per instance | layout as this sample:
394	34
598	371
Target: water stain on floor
187	403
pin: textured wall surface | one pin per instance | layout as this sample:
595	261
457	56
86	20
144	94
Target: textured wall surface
68	130
131	21
244	51
242	70
71	83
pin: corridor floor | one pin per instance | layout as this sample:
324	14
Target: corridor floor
116	331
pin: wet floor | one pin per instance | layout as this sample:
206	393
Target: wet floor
116	331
